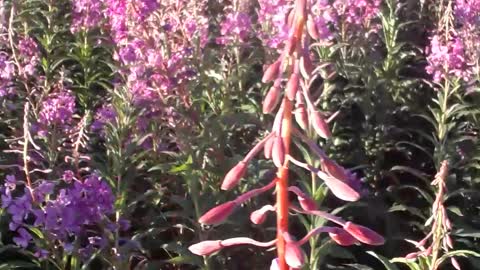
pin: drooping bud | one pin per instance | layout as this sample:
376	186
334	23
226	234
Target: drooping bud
292	86
259	216
267	149
333	169
412	255
278	152
218	214
320	126
301	115
206	247
312	29
234	176
277	122
340	189
342	237
364	234
294	255
271	99
271	72
307	203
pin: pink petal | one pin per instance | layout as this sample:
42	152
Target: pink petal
342	237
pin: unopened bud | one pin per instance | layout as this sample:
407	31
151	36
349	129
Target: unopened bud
364	234
292	86
342	237
455	263
271	72
278	152
234	176
340	189
320	126
259	216
267	149
218	214
206	247
271	99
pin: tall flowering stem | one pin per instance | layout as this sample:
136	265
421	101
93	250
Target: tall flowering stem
292	69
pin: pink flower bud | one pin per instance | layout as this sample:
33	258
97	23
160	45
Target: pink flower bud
271	72
455	263
412	255
340	189
218	214
294	255
364	234
274	265
301	114
333	169
259	216
312	29
342	237
206	247
277	122
320	126
307	203
234	176
271	99
306	66
292	86
278	152
267	149
291	16
449	241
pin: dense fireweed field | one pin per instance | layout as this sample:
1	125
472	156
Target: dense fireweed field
247	134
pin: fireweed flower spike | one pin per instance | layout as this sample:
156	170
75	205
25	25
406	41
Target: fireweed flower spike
439	236
294	67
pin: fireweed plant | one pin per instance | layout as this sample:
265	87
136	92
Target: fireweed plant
295	102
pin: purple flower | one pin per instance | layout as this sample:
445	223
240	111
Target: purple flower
68	176
86	14
23	239
235	28
57	110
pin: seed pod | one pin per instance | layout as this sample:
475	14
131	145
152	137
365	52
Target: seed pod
320	126
218	214
271	99
271	72
292	86
278	152
234	176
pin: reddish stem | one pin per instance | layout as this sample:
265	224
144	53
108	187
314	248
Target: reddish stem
282	186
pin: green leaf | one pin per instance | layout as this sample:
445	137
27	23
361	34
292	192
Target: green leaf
388	265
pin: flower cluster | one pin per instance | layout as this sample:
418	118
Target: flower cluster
6	75
29	55
236	28
65	215
106	114
326	17
86	14
57	110
447	58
